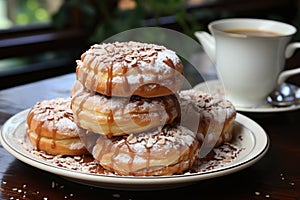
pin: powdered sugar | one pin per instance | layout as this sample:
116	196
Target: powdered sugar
218	158
207	105
132	63
67	126
56	115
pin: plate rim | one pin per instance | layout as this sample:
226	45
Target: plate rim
144	181
254	110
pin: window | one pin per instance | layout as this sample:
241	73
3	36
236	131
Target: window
26	12
32	48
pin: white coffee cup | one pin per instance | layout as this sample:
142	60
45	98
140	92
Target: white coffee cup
249	63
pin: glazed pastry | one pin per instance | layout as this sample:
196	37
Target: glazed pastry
130	68
166	151
115	116
215	116
50	128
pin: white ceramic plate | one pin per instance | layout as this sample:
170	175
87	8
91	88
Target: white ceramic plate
215	87
248	136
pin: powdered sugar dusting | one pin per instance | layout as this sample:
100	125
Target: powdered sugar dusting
218	158
170	137
56	115
131	54
213	107
144	62
121	106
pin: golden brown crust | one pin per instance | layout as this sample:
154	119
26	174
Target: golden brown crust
70	146
216	116
50	128
130	68
167	151
115	116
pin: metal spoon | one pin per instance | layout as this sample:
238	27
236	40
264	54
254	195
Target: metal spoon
285	95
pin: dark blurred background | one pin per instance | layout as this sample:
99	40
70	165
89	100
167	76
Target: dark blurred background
43	38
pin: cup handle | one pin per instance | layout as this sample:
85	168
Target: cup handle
290	49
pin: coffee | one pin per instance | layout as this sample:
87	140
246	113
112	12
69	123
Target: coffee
253	32
250	57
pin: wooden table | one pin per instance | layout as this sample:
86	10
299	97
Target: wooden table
275	176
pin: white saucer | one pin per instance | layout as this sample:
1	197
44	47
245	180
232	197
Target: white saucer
214	87
248	136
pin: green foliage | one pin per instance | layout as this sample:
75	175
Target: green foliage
31	11
103	18
61	19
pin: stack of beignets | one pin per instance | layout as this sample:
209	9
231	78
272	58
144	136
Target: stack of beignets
126	92
128	111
